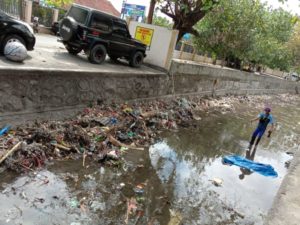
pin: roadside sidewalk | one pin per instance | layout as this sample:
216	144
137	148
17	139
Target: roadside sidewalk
52	55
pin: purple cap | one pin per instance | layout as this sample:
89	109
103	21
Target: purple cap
267	109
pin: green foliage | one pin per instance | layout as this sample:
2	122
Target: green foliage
186	13
249	31
162	21
43	13
294	46
59	3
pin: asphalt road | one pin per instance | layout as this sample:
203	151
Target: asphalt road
49	54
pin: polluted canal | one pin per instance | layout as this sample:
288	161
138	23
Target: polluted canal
178	179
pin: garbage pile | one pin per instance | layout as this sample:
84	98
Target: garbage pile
103	132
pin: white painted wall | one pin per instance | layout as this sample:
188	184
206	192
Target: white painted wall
162	46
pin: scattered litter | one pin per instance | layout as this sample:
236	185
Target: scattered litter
217	182
139	189
103	132
123	149
74	203
131	208
90	177
175	218
113	155
4	130
287	164
95	206
40	200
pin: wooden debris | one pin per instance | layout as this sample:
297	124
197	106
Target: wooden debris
62	147
11	151
119	144
149	114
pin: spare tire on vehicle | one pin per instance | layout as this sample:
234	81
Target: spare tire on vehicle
68	28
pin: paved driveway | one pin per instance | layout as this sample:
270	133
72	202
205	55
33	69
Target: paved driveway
52	55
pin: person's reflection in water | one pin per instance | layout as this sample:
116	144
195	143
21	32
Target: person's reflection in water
249	155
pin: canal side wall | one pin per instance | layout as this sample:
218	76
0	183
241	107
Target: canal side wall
28	94
286	206
192	78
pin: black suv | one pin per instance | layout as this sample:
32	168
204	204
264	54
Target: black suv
98	34
12	29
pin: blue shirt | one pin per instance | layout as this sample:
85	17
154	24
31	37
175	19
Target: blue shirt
264	120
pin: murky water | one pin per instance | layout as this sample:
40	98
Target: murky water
175	174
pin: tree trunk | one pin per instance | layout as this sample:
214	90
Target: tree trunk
151	11
180	35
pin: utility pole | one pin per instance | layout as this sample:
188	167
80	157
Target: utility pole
123	9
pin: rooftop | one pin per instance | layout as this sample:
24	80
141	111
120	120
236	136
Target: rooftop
102	5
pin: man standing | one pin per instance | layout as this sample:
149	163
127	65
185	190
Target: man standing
264	120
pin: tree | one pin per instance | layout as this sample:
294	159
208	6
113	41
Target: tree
186	13
271	40
59	3
162	21
247	31
151	11
228	30
294	46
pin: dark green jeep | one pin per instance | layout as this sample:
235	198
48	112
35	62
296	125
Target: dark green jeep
98	34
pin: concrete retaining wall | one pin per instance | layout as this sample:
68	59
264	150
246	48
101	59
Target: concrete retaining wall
286	207
193	78
30	94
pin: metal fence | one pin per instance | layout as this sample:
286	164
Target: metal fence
13	8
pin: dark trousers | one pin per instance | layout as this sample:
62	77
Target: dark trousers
258	133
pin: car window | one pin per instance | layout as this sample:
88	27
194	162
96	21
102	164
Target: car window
100	23
120	29
79	14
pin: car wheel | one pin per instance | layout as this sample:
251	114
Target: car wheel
73	50
137	59
97	54
12	38
113	58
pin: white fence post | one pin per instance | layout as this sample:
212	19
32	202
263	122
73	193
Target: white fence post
55	15
28	11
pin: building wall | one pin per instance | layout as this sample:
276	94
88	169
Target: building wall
162	45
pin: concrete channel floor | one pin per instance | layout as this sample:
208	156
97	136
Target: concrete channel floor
49	54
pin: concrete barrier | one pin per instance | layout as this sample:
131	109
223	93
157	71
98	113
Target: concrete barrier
41	93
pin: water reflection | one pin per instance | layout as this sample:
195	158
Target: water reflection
250	154
188	160
193	193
